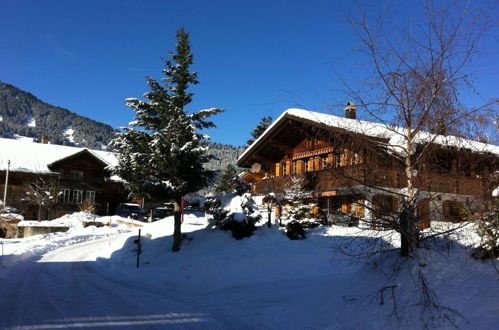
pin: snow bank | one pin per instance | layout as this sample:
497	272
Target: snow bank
15	250
11	216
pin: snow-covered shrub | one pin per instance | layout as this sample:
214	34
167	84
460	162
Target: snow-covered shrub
296	229
488	229
237	213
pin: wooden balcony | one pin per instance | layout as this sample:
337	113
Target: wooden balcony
363	175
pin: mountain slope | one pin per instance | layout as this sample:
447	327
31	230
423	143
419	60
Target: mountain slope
23	114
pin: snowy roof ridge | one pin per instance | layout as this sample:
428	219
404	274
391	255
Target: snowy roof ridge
374	129
34	157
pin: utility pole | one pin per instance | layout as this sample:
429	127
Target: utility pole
6	183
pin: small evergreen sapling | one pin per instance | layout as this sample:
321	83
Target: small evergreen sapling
295	210
294	194
224	186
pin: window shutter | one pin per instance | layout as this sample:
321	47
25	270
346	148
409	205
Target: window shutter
395	204
300	166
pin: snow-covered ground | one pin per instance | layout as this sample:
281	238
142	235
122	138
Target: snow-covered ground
87	278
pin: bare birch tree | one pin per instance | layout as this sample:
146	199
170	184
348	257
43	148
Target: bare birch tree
414	74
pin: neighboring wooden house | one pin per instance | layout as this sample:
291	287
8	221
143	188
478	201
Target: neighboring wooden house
349	167
78	176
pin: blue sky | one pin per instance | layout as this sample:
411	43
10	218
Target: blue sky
254	58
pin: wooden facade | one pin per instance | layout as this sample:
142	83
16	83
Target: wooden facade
78	180
343	170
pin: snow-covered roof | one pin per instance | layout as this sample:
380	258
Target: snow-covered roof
393	134
31	157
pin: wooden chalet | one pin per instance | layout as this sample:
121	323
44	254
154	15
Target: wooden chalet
349	167
77	176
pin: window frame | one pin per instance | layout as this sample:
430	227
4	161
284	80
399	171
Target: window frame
77	196
65	195
90	193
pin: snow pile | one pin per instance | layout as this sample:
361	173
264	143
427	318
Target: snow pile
11	216
73	220
15	250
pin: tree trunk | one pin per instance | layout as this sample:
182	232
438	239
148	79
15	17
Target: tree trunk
39	213
409	236
177	215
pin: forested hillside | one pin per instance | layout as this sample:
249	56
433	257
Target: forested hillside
23	114
224	154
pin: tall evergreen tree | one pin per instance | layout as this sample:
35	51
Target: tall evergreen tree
161	154
224	185
259	129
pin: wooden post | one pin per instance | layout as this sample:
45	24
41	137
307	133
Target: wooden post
269	210
138	249
6	185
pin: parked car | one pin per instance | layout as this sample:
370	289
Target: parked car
169	207
131	210
159	213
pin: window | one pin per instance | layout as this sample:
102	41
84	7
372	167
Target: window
354	159
90	196
65	195
283	169
77	173
323	163
77	196
307	169
337	160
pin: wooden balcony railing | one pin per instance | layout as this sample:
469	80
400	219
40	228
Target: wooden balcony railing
377	177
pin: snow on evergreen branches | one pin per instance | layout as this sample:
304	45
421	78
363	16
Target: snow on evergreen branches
164	155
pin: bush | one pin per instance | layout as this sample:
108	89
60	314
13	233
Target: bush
295	230
237	213
489	246
488	229
239	230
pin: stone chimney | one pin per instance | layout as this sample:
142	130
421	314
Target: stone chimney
483	139
351	111
45	139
